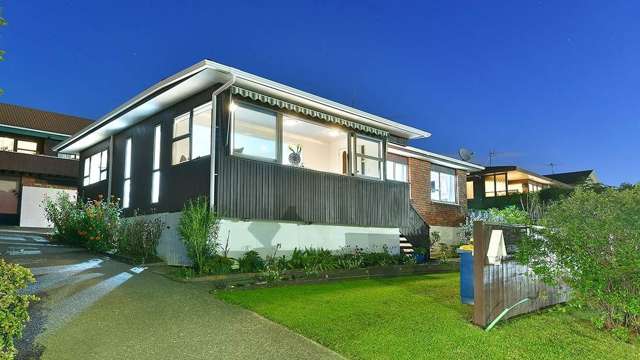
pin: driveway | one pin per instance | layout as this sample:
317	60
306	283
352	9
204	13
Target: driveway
93	307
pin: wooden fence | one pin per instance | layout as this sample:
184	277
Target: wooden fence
499	286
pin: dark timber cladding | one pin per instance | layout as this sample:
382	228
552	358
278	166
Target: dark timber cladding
245	189
251	189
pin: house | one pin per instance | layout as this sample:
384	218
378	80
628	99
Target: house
576	178
493	186
30	169
281	166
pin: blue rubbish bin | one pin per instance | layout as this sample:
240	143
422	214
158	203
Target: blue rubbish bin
466	276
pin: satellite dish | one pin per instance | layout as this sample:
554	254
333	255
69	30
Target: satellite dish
465	154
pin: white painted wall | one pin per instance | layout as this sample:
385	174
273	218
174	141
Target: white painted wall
263	236
32	205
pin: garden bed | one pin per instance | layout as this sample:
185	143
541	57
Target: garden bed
297	276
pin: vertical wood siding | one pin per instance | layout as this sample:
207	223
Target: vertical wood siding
250	189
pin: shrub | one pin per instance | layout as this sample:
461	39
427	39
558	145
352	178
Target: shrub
92	224
14	305
198	228
510	215
138	237
217	264
591	242
251	262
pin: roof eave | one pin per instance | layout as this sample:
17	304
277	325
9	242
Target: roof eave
283	90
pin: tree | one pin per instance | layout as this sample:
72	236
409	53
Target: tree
3	22
591	242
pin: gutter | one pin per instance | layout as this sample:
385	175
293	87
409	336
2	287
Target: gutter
443	160
214	126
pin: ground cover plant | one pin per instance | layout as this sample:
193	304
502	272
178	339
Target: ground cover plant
591	241
421	317
14	305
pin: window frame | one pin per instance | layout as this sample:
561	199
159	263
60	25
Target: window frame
391	172
278	131
102	172
381	159
439	170
493	178
470	195
126	184
189	134
156	163
13	142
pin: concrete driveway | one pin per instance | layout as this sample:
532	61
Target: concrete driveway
93	307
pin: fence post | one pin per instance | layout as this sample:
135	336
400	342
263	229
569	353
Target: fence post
479	258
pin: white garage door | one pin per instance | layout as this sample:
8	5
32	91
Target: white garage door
32	205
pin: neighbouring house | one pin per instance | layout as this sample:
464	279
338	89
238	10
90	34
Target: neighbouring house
30	169
495	186
281	166
576	178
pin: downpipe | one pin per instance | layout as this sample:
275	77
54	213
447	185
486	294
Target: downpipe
214	126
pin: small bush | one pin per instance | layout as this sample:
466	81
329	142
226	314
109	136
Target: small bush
138	238
217	264
251	262
92	224
198	228
14	305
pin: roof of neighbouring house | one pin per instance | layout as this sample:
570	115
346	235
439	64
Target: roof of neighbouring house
21	117
530	174
574	177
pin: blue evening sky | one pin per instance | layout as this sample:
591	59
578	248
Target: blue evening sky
536	81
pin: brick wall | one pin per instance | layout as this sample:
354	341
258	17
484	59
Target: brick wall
435	213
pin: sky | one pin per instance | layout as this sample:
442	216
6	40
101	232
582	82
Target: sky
536	82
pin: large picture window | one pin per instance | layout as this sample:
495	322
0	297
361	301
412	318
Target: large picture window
255	132
368	157
443	184
126	189
95	168
191	135
292	140
309	145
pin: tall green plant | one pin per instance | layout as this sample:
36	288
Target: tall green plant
138	237
198	228
591	241
14	305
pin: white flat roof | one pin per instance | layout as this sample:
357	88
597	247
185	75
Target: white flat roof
201	76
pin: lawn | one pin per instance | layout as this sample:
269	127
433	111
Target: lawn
421	318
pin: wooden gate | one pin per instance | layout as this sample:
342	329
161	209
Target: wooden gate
501	283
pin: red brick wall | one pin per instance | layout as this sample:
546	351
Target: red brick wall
433	212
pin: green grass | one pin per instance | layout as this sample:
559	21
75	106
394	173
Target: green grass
422	318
